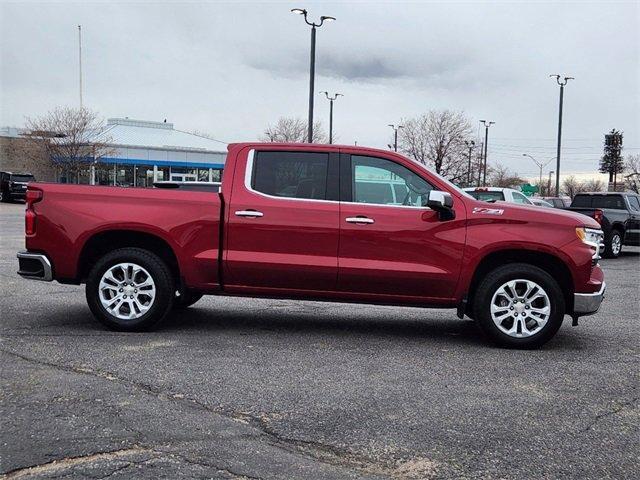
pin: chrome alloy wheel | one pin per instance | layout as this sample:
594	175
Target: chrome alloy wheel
520	308
616	244
127	291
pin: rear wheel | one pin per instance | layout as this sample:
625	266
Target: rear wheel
613	244
130	289
519	305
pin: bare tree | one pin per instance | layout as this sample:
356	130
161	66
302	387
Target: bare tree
594	185
571	186
293	130
436	138
632	169
70	138
500	176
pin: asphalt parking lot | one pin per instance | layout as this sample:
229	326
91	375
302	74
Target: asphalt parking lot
244	388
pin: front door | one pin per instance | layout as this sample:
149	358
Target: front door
283	222
390	242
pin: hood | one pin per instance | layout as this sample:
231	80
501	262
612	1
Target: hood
532	213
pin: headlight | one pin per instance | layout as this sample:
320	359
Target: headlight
592	237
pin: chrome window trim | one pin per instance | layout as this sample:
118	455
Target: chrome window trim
248	172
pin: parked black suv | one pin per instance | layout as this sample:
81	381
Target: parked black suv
13	186
618	213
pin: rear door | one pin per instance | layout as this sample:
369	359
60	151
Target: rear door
282	228
393	245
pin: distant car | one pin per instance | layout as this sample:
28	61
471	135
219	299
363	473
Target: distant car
13	186
497	194
558	202
540	202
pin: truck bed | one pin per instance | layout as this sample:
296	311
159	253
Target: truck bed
75	220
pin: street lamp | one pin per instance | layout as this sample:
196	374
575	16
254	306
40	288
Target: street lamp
562	83
539	164
395	135
312	68
470	145
486	124
331	99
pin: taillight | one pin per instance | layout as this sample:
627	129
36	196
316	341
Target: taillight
33	196
598	215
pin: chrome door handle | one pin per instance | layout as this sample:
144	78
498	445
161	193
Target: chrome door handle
359	220
249	213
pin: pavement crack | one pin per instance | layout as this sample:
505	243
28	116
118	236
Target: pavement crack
615	410
70	462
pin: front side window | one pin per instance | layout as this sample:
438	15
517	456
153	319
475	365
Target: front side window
291	174
634	202
383	182
520	198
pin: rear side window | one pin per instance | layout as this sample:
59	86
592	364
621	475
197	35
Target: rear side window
581	201
291	174
615	202
487	196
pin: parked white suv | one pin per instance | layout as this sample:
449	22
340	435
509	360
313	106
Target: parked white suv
496	194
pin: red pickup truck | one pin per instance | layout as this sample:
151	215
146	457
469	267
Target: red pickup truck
322	222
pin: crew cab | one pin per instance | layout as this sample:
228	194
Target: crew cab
302	221
13	186
618	213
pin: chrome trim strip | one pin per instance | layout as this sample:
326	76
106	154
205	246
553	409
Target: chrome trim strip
47	275
247	184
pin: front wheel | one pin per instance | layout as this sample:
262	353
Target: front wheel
519	305
130	289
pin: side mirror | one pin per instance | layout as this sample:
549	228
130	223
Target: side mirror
441	202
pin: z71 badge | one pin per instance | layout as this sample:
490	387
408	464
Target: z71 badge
488	211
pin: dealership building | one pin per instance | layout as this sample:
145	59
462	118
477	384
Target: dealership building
138	153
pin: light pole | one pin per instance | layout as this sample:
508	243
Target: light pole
562	83
470	145
395	135
549	184
486	124
539	164
331	99
312	67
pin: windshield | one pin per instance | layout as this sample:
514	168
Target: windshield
450	184
487	196
22	178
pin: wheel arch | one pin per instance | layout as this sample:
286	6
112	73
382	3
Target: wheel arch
104	242
551	264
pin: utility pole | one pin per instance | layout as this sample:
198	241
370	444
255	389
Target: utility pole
312	63
395	135
331	100
562	83
470	145
480	164
486	124
539	164
549	184
80	61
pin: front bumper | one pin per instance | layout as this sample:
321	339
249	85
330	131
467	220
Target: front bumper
588	303
34	266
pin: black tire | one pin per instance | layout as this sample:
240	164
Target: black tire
498	277
186	299
158	271
610	250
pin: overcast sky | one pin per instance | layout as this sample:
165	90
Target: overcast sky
231	68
